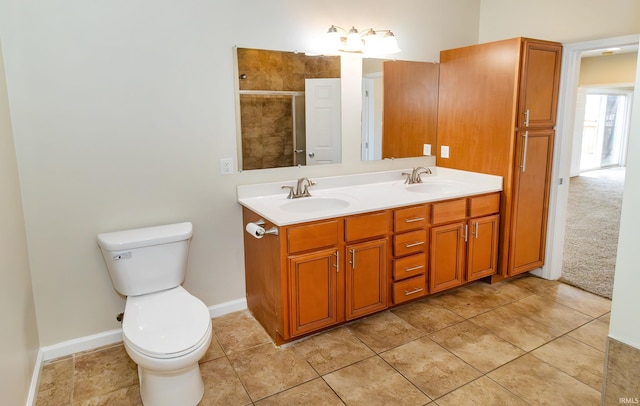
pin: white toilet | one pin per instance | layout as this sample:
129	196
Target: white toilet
165	329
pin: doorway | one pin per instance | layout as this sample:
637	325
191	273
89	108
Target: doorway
566	130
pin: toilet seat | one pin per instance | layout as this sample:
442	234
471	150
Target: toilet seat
166	324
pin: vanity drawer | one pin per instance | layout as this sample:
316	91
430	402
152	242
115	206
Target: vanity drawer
408	267
410	243
484	205
409	289
313	236
366	226
411	218
452	210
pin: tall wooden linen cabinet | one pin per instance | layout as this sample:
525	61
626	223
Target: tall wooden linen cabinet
496	114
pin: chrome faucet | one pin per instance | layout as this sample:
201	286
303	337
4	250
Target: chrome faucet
301	189
414	176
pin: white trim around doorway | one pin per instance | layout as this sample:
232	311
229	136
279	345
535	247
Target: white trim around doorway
563	147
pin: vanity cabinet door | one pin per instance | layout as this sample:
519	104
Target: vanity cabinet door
447	256
482	247
313	291
366	278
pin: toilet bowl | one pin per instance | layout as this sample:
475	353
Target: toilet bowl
165	334
165	329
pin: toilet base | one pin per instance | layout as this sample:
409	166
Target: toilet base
182	387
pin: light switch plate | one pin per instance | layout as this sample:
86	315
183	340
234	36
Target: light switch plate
444	151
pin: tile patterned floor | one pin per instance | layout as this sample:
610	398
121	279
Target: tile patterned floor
526	341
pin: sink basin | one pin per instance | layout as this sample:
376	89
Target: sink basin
434	186
314	204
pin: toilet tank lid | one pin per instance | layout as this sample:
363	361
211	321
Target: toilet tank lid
144	237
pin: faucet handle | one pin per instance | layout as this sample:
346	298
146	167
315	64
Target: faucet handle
290	195
408	177
305	190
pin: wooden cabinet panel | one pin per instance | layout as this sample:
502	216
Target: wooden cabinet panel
482	247
410	243
484	205
313	236
366	278
531	200
410	107
452	210
366	226
408	267
447	257
409	289
313	287
540	79
411	218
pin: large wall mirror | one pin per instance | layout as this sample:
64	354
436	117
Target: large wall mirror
289	109
399	108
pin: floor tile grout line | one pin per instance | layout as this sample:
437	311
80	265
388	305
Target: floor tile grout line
423	334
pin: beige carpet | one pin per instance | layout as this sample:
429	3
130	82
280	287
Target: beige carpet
593	222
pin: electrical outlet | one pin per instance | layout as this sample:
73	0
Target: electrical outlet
426	149
226	166
444	151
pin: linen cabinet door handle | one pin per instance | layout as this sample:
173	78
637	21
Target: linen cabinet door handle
337	265
415	244
526	118
524	151
353	259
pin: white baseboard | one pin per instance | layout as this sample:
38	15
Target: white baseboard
228	307
94	341
35	380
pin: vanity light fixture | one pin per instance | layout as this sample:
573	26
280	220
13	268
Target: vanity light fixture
368	41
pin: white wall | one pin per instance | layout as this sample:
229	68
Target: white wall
121	111
19	333
564	21
625	319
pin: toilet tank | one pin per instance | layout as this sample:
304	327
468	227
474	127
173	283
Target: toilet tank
146	260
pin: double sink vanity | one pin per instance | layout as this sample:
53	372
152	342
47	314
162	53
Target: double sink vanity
354	245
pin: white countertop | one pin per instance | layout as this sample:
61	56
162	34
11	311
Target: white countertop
352	194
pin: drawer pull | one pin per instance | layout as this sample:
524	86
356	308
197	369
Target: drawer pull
413	220
415	244
413	268
413	292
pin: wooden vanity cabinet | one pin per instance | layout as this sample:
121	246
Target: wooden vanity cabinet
448	235
366	264
497	108
410	251
464	241
482	241
315	275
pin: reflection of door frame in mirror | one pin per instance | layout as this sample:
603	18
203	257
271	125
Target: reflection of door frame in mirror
371	146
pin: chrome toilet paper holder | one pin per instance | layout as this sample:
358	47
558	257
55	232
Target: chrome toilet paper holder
261	231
